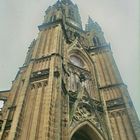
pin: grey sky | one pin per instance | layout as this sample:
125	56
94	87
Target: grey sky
119	20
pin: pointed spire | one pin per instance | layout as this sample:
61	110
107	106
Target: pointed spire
58	3
66	1
91	25
90	20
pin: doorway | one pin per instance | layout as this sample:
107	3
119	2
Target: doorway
86	132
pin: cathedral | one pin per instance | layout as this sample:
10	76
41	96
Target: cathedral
69	87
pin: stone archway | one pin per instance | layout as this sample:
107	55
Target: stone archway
86	132
82	134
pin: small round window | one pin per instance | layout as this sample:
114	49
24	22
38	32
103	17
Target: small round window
76	61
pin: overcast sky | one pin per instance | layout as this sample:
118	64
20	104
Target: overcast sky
119	20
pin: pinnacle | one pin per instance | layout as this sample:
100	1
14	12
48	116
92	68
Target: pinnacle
90	20
66	1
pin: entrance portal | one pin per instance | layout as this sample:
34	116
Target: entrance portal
81	135
86	132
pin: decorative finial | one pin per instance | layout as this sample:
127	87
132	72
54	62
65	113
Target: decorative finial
90	20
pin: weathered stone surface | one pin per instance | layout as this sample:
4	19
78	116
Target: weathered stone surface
69	87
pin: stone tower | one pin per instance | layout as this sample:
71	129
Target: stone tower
69	87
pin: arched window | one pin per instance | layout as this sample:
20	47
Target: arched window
71	13
96	41
52	18
1	104
76	61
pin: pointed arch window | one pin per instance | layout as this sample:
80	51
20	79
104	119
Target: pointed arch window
1	104
71	13
76	61
52	18
96	41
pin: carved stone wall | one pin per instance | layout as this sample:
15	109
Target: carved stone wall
69	84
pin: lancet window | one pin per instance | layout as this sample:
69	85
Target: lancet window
96	41
1	104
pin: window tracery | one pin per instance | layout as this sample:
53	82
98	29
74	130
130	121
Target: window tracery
76	61
79	74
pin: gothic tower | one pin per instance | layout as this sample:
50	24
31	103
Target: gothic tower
69	87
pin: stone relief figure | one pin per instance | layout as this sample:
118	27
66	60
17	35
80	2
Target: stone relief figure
73	82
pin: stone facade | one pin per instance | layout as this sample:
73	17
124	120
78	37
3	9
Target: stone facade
69	87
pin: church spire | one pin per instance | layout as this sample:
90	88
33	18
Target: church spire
91	25
64	10
90	20
66	1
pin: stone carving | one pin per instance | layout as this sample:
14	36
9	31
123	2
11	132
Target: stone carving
79	77
85	112
81	113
